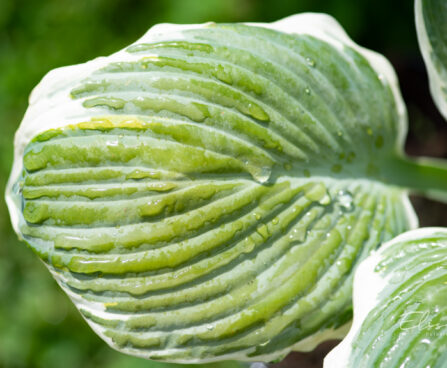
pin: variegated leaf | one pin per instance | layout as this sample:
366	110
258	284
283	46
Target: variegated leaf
206	193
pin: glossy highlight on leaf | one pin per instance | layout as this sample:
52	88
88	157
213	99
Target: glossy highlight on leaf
206	193
400	310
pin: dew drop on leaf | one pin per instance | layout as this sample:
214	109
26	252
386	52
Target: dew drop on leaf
336	168
319	194
250	245
398	278
262	175
310	62
298	235
379	142
263	231
350	157
325	200
258	365
345	200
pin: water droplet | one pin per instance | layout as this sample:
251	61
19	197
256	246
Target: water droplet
381	77
298	235
339	133
250	245
262	175
325	200
257	216
397	278
318	193
336	168
264	343
263	231
258	365
210	327
113	143
275	221
350	157
310	62
307	90
379	142
345	200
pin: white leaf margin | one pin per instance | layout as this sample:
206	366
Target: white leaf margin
437	83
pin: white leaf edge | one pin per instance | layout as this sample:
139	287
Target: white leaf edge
368	285
437	83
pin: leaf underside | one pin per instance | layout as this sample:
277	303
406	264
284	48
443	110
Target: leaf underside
219	197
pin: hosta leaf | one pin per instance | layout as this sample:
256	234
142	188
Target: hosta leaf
206	193
400	310
431	24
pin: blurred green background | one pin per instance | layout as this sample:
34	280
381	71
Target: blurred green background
39	327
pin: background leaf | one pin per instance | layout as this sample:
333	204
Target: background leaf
400	317
431	22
